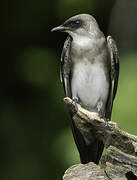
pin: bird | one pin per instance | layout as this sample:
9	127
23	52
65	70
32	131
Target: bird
89	73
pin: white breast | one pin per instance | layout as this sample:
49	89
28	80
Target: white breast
89	83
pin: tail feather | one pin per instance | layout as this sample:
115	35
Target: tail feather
88	152
92	152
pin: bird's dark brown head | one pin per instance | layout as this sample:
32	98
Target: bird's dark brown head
69	25
73	23
82	24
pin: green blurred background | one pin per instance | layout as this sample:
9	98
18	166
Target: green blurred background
35	137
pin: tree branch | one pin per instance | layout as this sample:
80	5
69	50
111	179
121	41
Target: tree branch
120	160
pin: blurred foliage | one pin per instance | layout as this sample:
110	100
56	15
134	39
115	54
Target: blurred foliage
125	106
36	140
35	65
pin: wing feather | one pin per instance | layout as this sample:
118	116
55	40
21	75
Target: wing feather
114	74
65	67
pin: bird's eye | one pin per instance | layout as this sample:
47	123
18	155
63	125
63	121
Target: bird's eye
76	23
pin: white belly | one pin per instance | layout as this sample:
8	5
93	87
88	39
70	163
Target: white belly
89	84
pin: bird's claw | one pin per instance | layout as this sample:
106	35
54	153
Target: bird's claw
75	100
107	121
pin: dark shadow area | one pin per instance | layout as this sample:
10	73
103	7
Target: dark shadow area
131	176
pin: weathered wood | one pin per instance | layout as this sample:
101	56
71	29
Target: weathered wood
85	171
120	161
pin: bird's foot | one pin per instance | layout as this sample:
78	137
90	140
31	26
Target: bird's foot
110	124
75	100
101	115
107	121
99	109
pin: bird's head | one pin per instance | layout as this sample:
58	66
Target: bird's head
80	25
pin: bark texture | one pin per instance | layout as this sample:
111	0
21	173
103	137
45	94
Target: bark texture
120	160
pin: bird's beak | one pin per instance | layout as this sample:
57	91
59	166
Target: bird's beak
60	28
